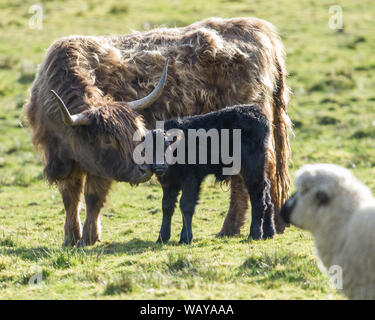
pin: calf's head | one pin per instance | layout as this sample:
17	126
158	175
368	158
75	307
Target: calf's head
101	139
165	145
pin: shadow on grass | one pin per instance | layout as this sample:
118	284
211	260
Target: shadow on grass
31	254
132	247
276	269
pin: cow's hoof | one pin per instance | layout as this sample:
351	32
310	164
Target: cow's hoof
87	242
229	232
71	241
81	243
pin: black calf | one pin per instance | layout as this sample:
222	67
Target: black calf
255	129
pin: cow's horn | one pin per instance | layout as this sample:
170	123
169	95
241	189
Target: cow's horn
70	120
147	101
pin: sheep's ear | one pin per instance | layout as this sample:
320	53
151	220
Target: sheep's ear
322	197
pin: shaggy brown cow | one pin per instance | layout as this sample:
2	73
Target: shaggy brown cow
213	63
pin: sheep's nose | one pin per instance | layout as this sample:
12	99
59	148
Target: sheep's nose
287	208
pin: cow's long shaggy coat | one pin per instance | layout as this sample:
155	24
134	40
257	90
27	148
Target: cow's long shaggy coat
213	63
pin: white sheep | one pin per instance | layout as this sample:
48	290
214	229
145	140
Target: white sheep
340	212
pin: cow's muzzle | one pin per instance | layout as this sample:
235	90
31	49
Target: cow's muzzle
140	174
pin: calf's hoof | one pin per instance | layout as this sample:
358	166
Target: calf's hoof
162	240
186	237
255	235
185	241
268	234
250	238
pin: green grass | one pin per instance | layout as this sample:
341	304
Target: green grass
332	77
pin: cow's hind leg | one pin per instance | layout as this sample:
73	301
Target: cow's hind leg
70	189
239	203
96	190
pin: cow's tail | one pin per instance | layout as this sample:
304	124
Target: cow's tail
282	128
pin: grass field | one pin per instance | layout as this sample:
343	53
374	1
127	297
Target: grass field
332	75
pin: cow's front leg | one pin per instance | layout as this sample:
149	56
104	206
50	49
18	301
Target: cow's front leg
239	203
96	190
71	189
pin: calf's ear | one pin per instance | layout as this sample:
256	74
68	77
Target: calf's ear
173	136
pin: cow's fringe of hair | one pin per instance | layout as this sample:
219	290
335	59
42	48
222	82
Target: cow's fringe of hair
71	68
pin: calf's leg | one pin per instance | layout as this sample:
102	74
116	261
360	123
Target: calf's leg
96	190
268	221
188	201
170	195
256	180
257	211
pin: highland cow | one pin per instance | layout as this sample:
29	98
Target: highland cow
213	63
253	139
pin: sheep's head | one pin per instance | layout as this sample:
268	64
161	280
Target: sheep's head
324	192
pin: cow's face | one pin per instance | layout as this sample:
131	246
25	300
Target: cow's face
105	145
102	139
